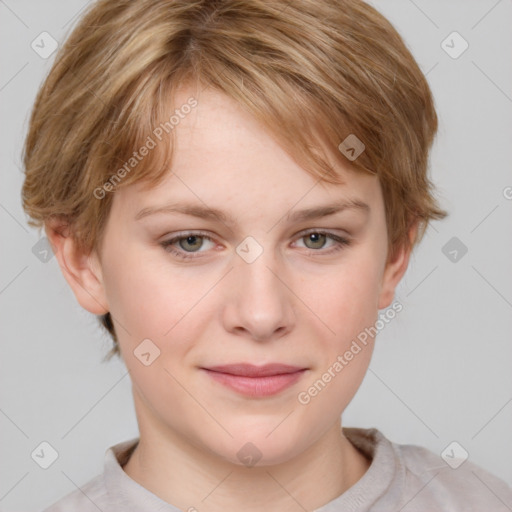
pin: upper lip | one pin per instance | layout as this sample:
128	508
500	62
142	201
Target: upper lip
250	370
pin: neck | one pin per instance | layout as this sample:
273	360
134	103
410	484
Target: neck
187	477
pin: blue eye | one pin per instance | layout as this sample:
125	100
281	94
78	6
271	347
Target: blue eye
187	245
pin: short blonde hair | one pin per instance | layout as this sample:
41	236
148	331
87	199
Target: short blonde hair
314	72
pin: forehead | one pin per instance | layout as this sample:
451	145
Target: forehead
225	159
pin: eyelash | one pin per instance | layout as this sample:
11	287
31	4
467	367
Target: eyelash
341	243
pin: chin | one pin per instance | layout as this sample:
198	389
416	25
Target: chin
256	447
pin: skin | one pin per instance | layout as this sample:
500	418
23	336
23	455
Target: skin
299	303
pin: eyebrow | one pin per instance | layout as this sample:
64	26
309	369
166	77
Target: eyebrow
204	212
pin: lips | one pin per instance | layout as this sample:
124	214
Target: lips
249	370
256	381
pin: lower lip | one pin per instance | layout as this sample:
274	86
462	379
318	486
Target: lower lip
257	386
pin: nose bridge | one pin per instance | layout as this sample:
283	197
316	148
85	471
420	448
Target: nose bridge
259	277
260	303
255	269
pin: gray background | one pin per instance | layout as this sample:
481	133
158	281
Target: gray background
441	368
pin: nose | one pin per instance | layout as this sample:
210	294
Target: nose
260	305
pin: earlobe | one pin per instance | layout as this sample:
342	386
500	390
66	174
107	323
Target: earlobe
395	270
82	271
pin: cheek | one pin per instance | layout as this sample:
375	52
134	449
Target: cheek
141	297
347	304
149	300
346	298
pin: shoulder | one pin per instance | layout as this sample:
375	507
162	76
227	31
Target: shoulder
411	478
104	491
88	498
460	485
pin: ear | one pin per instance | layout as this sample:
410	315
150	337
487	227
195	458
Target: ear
82	271
395	269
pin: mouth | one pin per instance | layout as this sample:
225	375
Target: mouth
256	381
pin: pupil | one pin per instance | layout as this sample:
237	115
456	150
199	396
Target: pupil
315	238
192	240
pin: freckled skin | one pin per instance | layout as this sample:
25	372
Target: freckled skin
291	305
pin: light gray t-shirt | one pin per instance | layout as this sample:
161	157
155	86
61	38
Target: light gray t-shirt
405	478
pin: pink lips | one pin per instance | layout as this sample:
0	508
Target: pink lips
256	381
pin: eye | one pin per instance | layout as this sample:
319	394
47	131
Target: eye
187	243
316	240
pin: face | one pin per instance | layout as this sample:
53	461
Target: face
258	283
